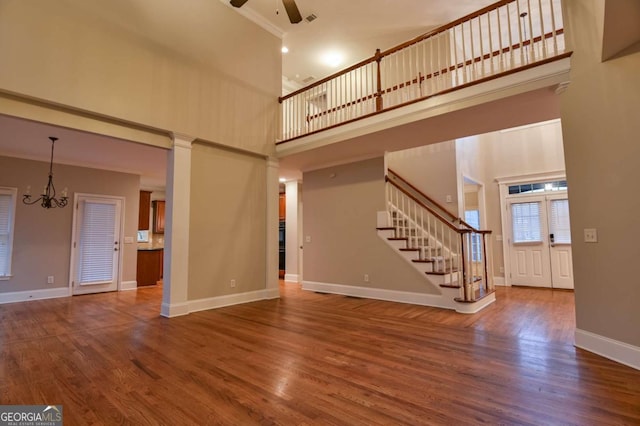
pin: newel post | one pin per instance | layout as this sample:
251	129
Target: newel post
378	94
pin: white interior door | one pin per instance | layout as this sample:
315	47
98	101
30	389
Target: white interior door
96	244
529	245
560	241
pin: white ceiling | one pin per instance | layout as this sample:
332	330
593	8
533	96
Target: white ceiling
354	28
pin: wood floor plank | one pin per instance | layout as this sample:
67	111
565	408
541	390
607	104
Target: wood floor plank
310	358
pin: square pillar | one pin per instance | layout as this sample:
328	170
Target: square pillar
176	250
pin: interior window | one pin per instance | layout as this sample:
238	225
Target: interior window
7	214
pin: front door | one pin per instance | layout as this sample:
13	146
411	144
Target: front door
560	241
96	244
540	241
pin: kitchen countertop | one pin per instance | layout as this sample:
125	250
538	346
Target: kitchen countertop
150	246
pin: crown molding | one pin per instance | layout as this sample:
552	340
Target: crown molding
257	19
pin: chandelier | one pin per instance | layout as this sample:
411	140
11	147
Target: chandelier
48	198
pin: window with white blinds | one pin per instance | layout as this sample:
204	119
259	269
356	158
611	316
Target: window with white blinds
526	222
7	213
472	217
97	237
559	221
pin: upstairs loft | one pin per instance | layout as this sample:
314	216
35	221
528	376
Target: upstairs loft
510	55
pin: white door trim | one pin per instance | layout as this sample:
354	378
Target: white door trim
72	263
503	183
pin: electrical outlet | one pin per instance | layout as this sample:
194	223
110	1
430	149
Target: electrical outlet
50	279
366	278
590	235
307	239
233	283
449	199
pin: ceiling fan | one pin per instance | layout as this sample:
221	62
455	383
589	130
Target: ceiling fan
289	5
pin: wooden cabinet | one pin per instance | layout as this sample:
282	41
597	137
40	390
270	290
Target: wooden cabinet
283	207
145	208
158	217
149	266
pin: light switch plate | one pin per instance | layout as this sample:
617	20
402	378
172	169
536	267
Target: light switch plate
128	240
590	235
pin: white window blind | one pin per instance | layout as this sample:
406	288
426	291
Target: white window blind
526	222
7	207
559	221
97	237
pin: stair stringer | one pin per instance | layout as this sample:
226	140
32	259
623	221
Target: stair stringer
444	297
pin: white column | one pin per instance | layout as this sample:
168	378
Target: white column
292	231
176	240
273	190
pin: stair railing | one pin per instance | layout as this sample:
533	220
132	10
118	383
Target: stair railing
502	38
456	250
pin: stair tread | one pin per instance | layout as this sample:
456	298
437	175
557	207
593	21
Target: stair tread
397	238
450	286
423	260
386	228
444	272
409	249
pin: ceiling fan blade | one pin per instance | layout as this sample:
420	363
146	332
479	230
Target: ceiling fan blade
292	10
237	3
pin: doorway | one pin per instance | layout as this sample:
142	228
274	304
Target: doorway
95	245
538	238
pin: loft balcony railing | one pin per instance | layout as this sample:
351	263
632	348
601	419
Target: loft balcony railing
506	37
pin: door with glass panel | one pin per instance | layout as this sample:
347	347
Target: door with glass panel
529	254
96	244
560	241
540	241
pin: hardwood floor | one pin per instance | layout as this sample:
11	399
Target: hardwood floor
310	358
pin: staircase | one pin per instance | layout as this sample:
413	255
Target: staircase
451	254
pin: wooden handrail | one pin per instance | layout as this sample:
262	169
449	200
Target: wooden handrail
440	206
433	212
422	78
422	194
447	26
442	92
379	55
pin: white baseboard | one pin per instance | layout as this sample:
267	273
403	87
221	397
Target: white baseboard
294	278
174	310
23	296
232	299
613	349
499	281
435	300
128	285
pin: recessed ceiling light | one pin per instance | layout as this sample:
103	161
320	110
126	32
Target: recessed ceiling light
333	58
282	180
285	49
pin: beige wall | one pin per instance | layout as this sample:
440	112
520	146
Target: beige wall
340	217
513	152
42	239
600	129
199	69
431	169
228	222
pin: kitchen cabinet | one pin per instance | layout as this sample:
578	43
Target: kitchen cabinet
143	212
149	267
158	216
283	207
